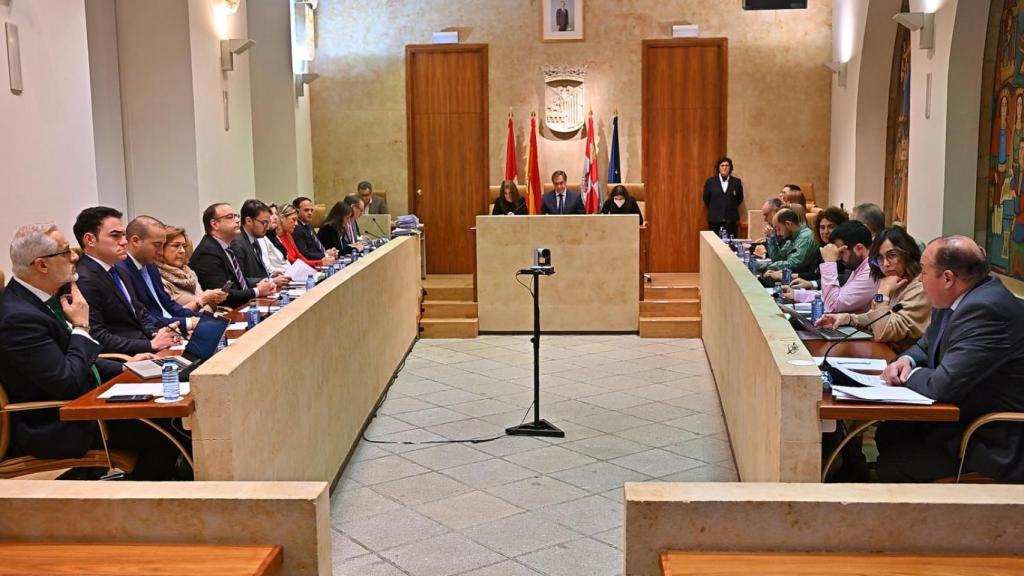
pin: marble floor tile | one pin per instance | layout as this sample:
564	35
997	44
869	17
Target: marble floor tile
521	534
442	556
584	557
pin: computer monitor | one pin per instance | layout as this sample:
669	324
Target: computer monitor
205	336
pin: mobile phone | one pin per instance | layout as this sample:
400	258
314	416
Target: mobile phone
227	286
130	398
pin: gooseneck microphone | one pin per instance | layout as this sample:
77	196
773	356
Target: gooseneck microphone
824	359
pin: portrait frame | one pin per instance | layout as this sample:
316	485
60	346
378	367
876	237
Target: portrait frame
550	21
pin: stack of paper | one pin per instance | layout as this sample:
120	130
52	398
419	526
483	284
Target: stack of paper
131	389
894	394
261	308
869	364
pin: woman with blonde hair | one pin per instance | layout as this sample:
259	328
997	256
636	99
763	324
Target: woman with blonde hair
179	280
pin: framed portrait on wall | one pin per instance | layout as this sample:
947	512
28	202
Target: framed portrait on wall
561	20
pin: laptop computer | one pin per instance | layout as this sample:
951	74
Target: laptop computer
374	226
201	346
830	334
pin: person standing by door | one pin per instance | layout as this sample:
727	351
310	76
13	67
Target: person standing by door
723	194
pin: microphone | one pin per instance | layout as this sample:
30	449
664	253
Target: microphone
380	229
825	366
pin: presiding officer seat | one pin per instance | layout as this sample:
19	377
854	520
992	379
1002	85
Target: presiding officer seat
15	466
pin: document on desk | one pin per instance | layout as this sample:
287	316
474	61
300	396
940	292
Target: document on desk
869	364
238	326
870	380
272	309
133	388
299	271
894	394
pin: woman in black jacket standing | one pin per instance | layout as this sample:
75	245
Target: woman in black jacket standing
723	194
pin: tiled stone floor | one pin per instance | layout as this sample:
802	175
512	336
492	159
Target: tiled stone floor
633	410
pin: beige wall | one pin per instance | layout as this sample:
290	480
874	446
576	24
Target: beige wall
49	125
779	96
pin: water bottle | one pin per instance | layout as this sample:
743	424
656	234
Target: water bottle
169	377
223	342
286	298
253	317
723	234
817	309
787	276
777	293
310	282
752	264
826	381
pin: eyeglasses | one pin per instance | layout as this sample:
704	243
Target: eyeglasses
227	217
890	256
265	223
65	252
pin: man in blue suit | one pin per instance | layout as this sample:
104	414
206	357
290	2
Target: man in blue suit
561	200
47	353
972	355
146	236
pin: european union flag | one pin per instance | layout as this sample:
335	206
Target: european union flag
614	171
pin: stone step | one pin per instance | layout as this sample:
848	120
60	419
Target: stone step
449	327
663	308
669	279
671	293
670	327
448	293
449	309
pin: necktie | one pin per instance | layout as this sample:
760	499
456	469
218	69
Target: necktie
152	292
561	202
316	240
239	277
54	306
937	345
351	233
120	285
259	257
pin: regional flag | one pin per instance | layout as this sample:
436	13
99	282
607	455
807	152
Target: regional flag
590	187
534	190
511	173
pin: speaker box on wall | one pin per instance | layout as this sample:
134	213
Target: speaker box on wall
774	4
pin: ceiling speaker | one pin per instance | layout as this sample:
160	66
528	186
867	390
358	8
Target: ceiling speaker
774	4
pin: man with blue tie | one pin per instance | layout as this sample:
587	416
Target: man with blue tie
972	355
561	200
146	236
120	322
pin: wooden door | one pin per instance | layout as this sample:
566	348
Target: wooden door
446	113
684	134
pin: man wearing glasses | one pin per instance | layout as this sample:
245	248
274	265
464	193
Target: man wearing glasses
246	246
120	322
851	243
217	264
47	352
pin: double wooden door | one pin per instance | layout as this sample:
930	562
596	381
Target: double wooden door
684	134
446	112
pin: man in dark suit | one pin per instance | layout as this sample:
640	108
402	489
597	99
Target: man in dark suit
562	18
215	262
246	246
972	355
146	236
353	234
304	235
120	323
372	203
561	200
723	194
48	354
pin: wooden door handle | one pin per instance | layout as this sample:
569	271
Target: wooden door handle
419	192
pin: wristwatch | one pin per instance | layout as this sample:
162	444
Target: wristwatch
881	299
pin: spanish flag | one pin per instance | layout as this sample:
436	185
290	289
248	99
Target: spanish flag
534	190
511	172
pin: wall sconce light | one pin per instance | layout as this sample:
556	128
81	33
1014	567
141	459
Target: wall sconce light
302	78
923	21
228	6
839	69
228	49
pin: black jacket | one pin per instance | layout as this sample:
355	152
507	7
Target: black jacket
330	237
501	208
119	326
723	206
251	263
213	269
307	242
630	207
40	359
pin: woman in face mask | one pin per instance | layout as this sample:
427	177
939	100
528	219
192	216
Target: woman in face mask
621	203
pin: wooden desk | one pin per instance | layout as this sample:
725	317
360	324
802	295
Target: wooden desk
131	559
819	564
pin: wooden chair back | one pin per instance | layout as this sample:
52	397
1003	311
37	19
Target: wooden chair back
319	213
636	189
5	424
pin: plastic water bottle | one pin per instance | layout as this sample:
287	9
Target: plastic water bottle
723	234
787	276
752	264
169	377
817	309
253	317
310	282
777	292
223	342
285	299
826	381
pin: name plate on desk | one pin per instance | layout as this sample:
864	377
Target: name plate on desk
596	288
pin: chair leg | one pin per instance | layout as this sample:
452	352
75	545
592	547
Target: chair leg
113	473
